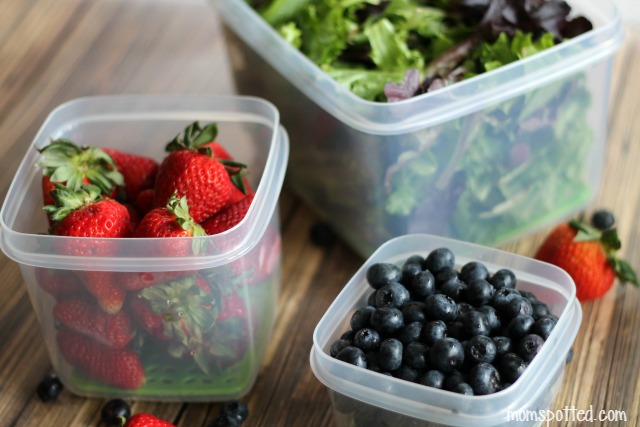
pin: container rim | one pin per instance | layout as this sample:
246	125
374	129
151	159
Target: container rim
356	382
19	245
432	108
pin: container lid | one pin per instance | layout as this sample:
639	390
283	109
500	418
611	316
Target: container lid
550	283
252	120
439	106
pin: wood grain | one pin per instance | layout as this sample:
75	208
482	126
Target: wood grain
52	51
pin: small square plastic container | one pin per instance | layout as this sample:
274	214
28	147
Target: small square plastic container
359	395
238	270
485	160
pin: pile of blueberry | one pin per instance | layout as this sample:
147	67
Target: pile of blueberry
465	331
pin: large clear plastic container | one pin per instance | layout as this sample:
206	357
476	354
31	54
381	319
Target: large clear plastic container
359	395
239	270
484	160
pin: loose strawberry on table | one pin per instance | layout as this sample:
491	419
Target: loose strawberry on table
191	170
147	420
589	255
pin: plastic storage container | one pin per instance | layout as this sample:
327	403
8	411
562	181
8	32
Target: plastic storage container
484	160
238	270
359	395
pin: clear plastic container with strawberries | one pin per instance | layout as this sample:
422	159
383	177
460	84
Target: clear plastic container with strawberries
147	233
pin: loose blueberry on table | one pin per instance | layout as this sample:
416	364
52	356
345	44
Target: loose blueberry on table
466	330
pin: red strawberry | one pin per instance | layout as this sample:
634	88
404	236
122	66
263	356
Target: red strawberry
72	165
118	367
241	188
173	220
147	420
146	318
192	171
589	256
58	283
228	217
86	214
83	316
139	172
187	310
144	200
232	307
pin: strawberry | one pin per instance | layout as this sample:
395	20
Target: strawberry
85	213
588	255
118	367
144	200
187	310
147	420
72	165
173	220
191	170
83	316
151	322
139	172
58	283
228	217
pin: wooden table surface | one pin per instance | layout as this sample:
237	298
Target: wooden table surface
52	51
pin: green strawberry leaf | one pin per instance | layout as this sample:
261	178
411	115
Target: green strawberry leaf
624	271
610	240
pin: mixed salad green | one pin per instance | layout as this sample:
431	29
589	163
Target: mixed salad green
395	49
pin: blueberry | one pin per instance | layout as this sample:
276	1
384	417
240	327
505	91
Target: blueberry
390	354
49	388
475	323
433	331
520	326
407	373
382	273
446	354
223	421
235	409
392	295
463	388
422	285
484	379
540	309
543	327
569	357
409	333
432	378
414	355
322	235
511	367
529	296
517	306
371	299
464	307
454	289
338	345
479	292
367	339
492	317
372	361
602	219
387	320
411	267
348	335
445	275
503	278
480	349
441	307
113	411
452	379
361	318
529	346
503	345
352	355
414	311
501	298
473	271
456	330
439	259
